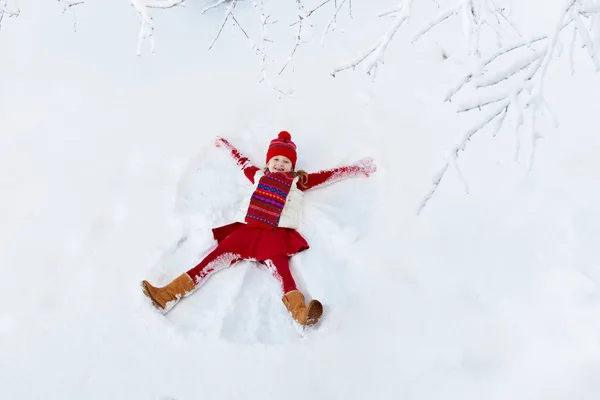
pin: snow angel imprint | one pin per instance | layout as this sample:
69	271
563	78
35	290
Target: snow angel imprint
265	230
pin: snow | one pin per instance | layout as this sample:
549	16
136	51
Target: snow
110	176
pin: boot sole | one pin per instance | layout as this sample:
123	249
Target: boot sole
315	311
148	295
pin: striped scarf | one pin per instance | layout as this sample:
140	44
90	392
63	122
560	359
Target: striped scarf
268	199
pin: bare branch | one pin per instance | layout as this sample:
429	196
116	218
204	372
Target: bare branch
214	5
264	21
250	41
301	20
69	3
316	8
332	21
6	11
146	24
228	14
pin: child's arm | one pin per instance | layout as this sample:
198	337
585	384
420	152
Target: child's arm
247	167
364	167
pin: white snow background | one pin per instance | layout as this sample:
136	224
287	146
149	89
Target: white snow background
109	175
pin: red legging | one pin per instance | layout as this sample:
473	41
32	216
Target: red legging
218	259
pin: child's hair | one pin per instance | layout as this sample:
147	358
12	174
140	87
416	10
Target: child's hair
303	177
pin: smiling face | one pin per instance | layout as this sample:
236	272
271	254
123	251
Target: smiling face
279	164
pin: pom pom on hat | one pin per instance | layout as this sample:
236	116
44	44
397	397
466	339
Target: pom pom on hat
285	135
283	146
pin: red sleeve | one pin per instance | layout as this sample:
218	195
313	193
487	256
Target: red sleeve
247	167
323	178
250	172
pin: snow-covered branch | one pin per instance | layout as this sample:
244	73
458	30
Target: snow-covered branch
164	3
228	14
332	21
264	23
69	3
474	14
374	56
519	86
7	10
146	25
302	19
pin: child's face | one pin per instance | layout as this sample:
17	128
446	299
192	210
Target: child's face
279	164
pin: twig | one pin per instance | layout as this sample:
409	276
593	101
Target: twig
6	11
497	77
536	63
587	41
68	4
216	4
301	19
264	21
164	4
227	15
308	14
434	185
332	21
444	15
146	25
378	50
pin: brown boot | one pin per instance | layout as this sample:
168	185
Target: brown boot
174	291
304	315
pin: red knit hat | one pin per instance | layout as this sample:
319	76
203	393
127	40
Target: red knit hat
283	146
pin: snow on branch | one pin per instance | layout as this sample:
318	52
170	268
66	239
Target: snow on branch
519	86
146	24
474	14
228	14
213	5
332	20
302	19
7	10
264	23
374	56
67	5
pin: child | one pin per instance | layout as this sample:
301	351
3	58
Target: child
266	227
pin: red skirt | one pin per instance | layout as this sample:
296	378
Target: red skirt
259	243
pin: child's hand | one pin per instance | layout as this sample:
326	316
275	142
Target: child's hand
367	166
222	142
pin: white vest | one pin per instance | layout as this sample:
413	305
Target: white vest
290	215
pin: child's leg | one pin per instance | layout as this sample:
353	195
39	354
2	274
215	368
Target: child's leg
280	268
213	262
167	296
292	298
